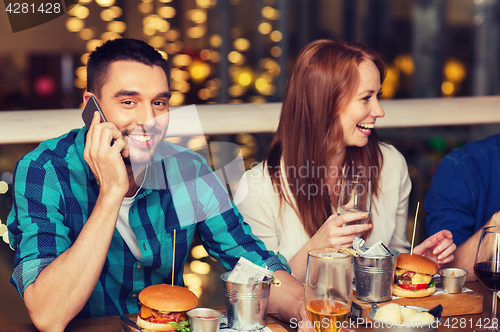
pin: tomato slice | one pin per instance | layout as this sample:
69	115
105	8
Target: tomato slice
413	286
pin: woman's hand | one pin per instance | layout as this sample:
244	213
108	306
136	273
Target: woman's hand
330	235
333	235
438	247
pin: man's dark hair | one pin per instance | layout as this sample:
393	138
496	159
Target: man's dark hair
124	49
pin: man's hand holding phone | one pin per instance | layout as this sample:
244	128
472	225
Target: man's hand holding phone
106	160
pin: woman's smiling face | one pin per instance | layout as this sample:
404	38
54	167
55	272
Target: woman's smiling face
358	117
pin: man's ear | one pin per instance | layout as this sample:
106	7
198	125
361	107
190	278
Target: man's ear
86	97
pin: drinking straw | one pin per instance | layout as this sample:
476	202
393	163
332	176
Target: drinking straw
414	228
173	261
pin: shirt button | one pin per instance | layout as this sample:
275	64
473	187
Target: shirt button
134	295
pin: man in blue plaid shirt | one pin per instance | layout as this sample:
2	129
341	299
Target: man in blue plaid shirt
89	234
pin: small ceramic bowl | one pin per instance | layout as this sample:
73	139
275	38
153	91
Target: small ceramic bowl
205	319
453	279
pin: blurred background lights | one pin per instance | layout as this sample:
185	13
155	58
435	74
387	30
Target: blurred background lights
80	12
117	26
192	280
205	54
7	177
181	86
156	41
242	44
276	51
234	57
176	99
276	36
405	64
173	35
74	24
179	75
236	90
268	12
455	70
199	71
92	44
215	41
263	86
265	28
81	72
197	143
4	187
86	34
145	7
107	15
182	60
105	3
196	32
199	267
203	3
391	82
245	78
447	88
167	12
109	35
4	233
199	252
198	16
204	94
117	11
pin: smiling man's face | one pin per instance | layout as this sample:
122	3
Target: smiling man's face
135	98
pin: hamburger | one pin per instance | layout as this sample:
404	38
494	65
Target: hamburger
413	276
163	308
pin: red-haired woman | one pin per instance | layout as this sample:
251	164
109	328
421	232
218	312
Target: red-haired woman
326	128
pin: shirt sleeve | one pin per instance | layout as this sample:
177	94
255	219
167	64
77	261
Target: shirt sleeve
35	223
449	202
225	234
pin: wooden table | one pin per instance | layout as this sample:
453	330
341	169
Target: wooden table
113	323
464	322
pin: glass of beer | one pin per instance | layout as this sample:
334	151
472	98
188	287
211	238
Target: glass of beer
328	289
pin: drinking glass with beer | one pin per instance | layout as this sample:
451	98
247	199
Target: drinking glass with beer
328	288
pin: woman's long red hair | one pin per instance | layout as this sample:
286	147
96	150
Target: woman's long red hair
323	80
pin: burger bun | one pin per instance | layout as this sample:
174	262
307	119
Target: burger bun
168	298
416	263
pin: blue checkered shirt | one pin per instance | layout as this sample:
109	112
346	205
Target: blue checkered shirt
55	193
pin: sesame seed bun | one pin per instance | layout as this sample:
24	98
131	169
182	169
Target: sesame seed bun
416	263
168	298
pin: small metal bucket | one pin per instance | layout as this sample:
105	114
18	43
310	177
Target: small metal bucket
374	277
246	304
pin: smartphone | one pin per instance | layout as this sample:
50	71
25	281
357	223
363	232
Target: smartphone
88	111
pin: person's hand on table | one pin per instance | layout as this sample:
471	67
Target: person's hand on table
438	247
